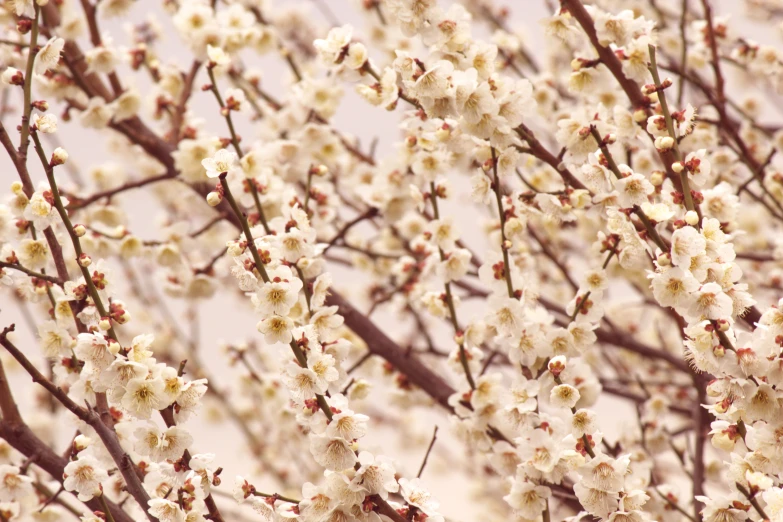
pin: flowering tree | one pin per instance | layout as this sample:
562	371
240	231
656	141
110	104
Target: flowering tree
629	202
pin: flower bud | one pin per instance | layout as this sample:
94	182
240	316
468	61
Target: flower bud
723	440
105	324
664	259
664	143
234	248
114	346
653	97
24	25
320	170
557	365
59	156
639	116
79	230
657	178
723	325
677	167
487	165
85	260
123	318
442	134
81	443
691	217
214	199
12	76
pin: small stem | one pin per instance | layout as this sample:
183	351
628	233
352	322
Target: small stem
106	510
686	191
753	501
585	440
648	226
31	273
58	203
276	497
463	357
298	353
235	143
503	246
28	83
427	455
581	303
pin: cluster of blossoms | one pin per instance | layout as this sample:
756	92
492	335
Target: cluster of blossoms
628	248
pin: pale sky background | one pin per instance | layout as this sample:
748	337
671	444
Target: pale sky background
445	475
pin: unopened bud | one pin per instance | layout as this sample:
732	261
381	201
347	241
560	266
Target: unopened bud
214	199
105	324
81	443
487	165
664	143
723	325
657	177
557	365
320	170
691	217
442	134
639	116
410	141
24	25
12	76
664	259
85	260
59	156
677	167
79	230
653	96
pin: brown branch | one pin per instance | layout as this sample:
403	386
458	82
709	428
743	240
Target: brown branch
370	213
31	273
91	417
179	112
537	150
380	344
78	202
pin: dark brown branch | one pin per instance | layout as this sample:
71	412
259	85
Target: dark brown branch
91	417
